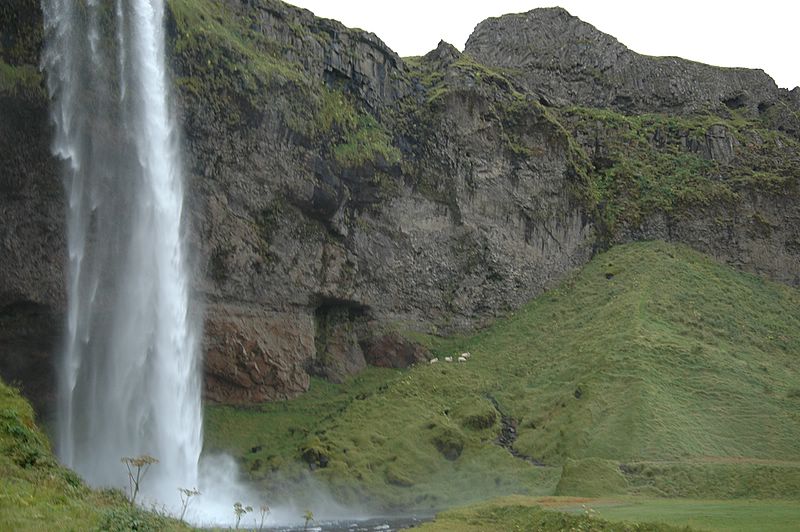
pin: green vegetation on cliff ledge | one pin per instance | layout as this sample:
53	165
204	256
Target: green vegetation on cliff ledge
353	138
224	62
20	81
673	374
240	71
648	163
218	44
36	493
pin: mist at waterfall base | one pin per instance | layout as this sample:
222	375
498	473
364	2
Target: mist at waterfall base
130	375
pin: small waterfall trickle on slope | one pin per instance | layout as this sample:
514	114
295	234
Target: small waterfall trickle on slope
129	381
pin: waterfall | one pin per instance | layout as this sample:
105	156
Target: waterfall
129	377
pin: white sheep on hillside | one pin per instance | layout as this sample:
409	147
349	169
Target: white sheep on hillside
466	355
448	359
462	359
434	360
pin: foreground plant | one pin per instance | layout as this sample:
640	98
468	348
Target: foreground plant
264	513
138	467
309	516
186	496
240	512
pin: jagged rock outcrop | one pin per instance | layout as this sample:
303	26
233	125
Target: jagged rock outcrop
394	351
568	61
253	356
441	57
340	195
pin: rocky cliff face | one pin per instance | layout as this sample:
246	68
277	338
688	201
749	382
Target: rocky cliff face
32	240
353	205
568	62
340	196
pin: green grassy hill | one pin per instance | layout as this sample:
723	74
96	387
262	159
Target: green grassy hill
653	371
38	494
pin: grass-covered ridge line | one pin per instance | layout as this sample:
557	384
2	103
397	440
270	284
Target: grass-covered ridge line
222	61
216	41
654	360
36	493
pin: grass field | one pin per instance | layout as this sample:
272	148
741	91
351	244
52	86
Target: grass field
654	371
716	515
627	513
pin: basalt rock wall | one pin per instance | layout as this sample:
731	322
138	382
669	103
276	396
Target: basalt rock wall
339	196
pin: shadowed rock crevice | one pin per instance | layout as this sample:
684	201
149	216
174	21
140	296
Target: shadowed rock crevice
338	325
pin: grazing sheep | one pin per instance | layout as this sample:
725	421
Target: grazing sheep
462	359
448	359
466	355
434	360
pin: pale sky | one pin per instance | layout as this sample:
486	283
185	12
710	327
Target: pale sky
755	34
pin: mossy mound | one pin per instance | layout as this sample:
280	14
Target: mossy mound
520	514
591	477
36	493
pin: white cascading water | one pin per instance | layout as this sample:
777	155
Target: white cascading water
130	382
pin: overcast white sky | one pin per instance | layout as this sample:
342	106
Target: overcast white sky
762	34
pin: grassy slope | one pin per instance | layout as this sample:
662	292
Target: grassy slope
653	356
38	494
675	358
